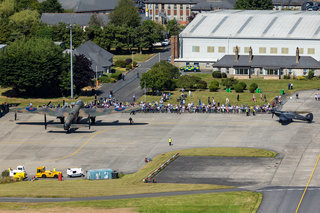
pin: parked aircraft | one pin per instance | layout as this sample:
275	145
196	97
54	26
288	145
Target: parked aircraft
287	117
70	117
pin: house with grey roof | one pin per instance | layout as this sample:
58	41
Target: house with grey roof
81	19
209	5
95	6
266	66
101	59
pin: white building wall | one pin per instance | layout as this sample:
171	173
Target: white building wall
188	55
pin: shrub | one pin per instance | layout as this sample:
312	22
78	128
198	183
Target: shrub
216	74
223	75
253	87
104	79
214	86
244	85
188	81
112	80
238	87
128	67
201	85
286	76
117	75
229	82
310	74
128	61
135	63
121	63
301	78
5	173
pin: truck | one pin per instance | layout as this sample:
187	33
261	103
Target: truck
43	173
75	172
19	173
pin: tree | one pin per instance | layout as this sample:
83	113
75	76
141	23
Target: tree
173	28
7	8
50	6
32	67
253	5
159	77
188	81
96	21
125	13
62	33
83	73
26	4
229	82
45	31
25	23
149	33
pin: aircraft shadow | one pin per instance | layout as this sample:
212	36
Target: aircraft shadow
114	123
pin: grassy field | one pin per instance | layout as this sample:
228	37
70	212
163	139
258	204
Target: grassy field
129	184
231	202
270	88
136	57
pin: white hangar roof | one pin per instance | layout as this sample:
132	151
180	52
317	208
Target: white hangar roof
255	24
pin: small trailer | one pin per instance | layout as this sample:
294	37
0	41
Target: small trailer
75	172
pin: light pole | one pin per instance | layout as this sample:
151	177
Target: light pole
132	59
71	65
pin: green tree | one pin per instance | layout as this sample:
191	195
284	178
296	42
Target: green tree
62	33
4	30
188	81
7	8
253	5
32	67
96	21
173	28
159	77
125	13
27	4
45	31
24	23
83	73
149	33
50	6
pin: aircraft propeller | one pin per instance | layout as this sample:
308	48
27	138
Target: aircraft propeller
89	121
45	121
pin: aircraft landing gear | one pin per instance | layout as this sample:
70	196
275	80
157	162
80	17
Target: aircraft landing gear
93	120
61	120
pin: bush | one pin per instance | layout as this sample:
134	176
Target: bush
301	78
5	173
188	81
239	87
229	82
253	87
286	76
216	74
244	85
117	75
214	86
112	80
310	74
128	61
104	79
201	85
129	67
121	63
223	75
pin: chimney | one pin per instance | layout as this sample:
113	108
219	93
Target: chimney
174	40
250	55
297	55
236	54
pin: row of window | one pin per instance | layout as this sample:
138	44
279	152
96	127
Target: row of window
161	6
262	50
245	71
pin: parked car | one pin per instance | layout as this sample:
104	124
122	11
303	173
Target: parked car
75	172
166	42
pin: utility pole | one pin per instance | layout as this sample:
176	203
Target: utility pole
71	63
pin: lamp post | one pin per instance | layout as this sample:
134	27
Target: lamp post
71	63
132	59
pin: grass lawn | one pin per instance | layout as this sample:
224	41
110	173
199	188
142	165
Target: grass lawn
240	202
129	184
270	88
136	57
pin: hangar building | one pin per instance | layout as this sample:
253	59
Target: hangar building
211	36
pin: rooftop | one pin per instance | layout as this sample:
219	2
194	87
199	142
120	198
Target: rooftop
81	19
255	24
207	5
171	1
95	5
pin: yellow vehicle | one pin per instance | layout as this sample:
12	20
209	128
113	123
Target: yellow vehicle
43	173
19	173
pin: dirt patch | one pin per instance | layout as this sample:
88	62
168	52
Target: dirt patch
73	210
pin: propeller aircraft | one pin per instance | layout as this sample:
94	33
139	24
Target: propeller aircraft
286	117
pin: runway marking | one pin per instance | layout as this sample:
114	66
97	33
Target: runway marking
81	147
304	192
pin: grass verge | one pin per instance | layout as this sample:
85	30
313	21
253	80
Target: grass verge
240	202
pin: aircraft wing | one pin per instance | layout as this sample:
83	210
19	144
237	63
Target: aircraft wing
103	111
283	118
56	112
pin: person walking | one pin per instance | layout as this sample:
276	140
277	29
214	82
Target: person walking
131	120
170	141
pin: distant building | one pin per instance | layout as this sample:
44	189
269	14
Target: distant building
212	35
208	5
81	19
288	4
266	66
101	59
162	11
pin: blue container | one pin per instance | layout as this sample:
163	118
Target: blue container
99	174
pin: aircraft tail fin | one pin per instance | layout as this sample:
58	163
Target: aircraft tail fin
309	117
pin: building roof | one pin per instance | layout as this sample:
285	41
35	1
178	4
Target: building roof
67	4
99	57
95	5
255	24
81	19
305	62
289	2
171	1
207	5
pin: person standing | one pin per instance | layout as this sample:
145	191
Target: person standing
254	98
131	120
238	97
189	93
170	141
134	98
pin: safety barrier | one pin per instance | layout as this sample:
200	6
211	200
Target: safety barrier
155	172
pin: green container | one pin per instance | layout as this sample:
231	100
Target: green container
228	89
258	90
282	92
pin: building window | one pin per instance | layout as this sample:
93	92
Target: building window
242	71
210	49
284	50
262	50
150	6
196	49
234	49
181	6
175	6
181	17
246	49
157	6
311	51
271	71
169	6
187	6
273	50
300	50
222	49
290	71
305	72
260	71
227	70
208	65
